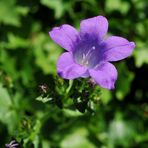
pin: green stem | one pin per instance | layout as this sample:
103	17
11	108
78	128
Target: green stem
69	87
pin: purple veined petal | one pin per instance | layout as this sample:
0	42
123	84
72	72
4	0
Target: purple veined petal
105	75
95	27
117	48
67	68
65	36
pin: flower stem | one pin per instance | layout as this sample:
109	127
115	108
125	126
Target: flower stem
70	86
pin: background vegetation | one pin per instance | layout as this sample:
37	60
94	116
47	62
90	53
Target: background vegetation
70	114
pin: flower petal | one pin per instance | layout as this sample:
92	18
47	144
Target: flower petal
95	27
105	75
65	36
67	68
117	48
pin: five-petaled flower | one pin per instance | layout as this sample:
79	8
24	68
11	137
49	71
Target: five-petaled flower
89	53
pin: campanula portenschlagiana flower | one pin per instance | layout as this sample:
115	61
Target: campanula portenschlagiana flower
89	52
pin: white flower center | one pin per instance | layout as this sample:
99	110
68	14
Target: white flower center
86	57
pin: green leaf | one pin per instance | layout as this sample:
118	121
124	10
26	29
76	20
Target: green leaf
16	42
77	139
120	131
105	96
7	114
44	100
5	100
10	13
119	5
141	54
72	113
57	5
46	53
124	80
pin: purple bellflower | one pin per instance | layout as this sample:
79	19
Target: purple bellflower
89	53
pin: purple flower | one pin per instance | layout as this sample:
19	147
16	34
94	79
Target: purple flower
89	53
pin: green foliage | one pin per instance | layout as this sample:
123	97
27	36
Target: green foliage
124	81
70	114
141	55
13	18
56	5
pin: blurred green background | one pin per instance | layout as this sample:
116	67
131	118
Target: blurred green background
28	59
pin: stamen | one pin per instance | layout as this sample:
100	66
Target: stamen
85	57
90	51
93	47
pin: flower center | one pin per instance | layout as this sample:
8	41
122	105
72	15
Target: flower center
86	57
86	54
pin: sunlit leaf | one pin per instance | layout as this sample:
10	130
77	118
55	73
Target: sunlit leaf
141	55
119	5
9	14
124	80
77	139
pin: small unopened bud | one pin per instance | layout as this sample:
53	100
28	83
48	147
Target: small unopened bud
92	82
12	144
43	88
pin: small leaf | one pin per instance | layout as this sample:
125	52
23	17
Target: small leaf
141	56
77	139
4	97
119	5
44	100
124	80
